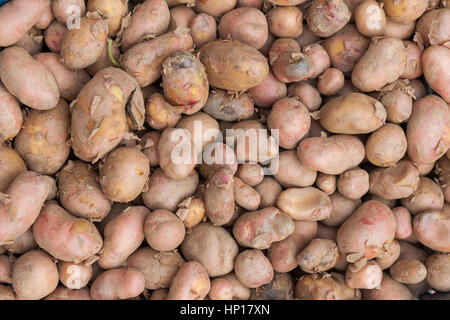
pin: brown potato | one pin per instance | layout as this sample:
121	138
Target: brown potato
160	114
268	189
245	196
318	15
203	124
164	231
221	289
318	256
413	67
353	183
306	94
22	244
369	277
292	173
427	196
11	166
404	11
398	104
214	8
113	12
389	256
74	275
324	286
223	106
404	224
408	271
386	146
218	156
118	284
280	288
389	290
253	269
11	117
191	282
431	228
62	293
318	57
203	29
103	61
326	183
251	174
341	209
399	30
438	271
370	18
330	82
433	26
436	65
32	41
66	10
285	22
268	92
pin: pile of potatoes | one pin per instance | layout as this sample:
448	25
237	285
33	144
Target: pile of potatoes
101	99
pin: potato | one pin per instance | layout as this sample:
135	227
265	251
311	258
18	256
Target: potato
253	269
159	294
160	114
341	209
408	271
32	41
398	104
21	207
11	166
251	174
112	11
318	256
308	204
318	57
180	16
427	196
292	173
43	141
74	275
370	18
280	288
438	271
308	95
403	221
376	69
431	229
149	144
331	155
330	81
285	22
53	35
245	196
164	231
307	37
292	119
62	293
191	282
250	3
413	67
104	62
240	292
399	30
225	72
319	13
365	234
218	156
11	118
191	211
324	286
219	197
223	106
203	29
214	8
389	290
118	284
436	66
201	124
5	269
353	183
101	118
286	2
269	189
221	289
66	10
389	256
433	26
345	48
404	11
268	92
22	244
369	277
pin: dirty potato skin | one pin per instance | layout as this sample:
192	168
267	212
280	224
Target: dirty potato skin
219	197
164	231
191	282
431	228
326	17
11	166
11	117
203	29
386	146
112	11
223	106
253	269
324	286
436	66
118	284
404	11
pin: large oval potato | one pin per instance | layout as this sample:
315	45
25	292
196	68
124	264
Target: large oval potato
118	284
306	204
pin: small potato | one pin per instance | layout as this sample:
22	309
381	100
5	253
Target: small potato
268	189
292	173
253	269
427	196
404	11
160	114
123	174
11	117
62	293
203	29
81	47
259	229
389	289
11	166
353	183
103	61
376	69
438	271
431	228
218	156
223	106
247	25
413	67
118	284
330	82
408	271
212	246
250	173
318	57
221	289
268	92
219	197
240	292
64	10
433	27
307	204
370	18
149	20
163	192
158	268
214	8
164	231
285	22
22	244
319	13
149	144
399	30
341	209
353	113
280	288
113	12
326	183
369	277
191	282
180	16
386	146
32	41
436	65
74	275
398	104
318	256
34	275
306	94
191	211
389	256
324	286
245	196
43	141
404	224
331	155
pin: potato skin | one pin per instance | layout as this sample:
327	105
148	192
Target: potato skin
113	12
22	244
32	41
408	271
63	293
191	282
285	22
428	129
251	174
118	284
10	115
318	256
223	106
434	27
43	141
369	277
370	18
34	275
101	118
438	271
386	146
245	196
203	29
427	196
164	231
62	12
431	228
342	208
436	66
306	94
74	276
253	269
389	290
53	36
225	72
214	8
11	166
413	67
292	173
268	189
319	13
353	183
81	239
404	11
324	286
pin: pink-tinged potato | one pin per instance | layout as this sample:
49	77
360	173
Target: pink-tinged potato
229	107
398	103
122	236
118	284
434	26
107	107
32	41
207	126
69	82
427	196
162	192
104	62
386	146
282	254
247	25
280	288
306	94
268	189
22	243
404	224
63	293
326	17
245	196
221	289
307	37
389	289
443	172
147	70
353	183
307	204
250	173
28	79
370	18
438	271
159	113
214	8
404	11
212	246
21	207
318	256
219	197
217	156
431	228
369	277
408	271
159	294
5	268
46	17
326	183
382	63
80	193
34	275
149	144
43	142
341	209
158	268
53	36
268	92
318	57
17	17
285	22
428	129
74	275
402	31
11	117
81	47
191	211
413	68
240	292
203	29
66	10
436	69
292	173
325	286
388	257
259	229
250	3
367	232
11	166
64	236
253	269
191	282
164	231
330	82
286	2
331	155
113	12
